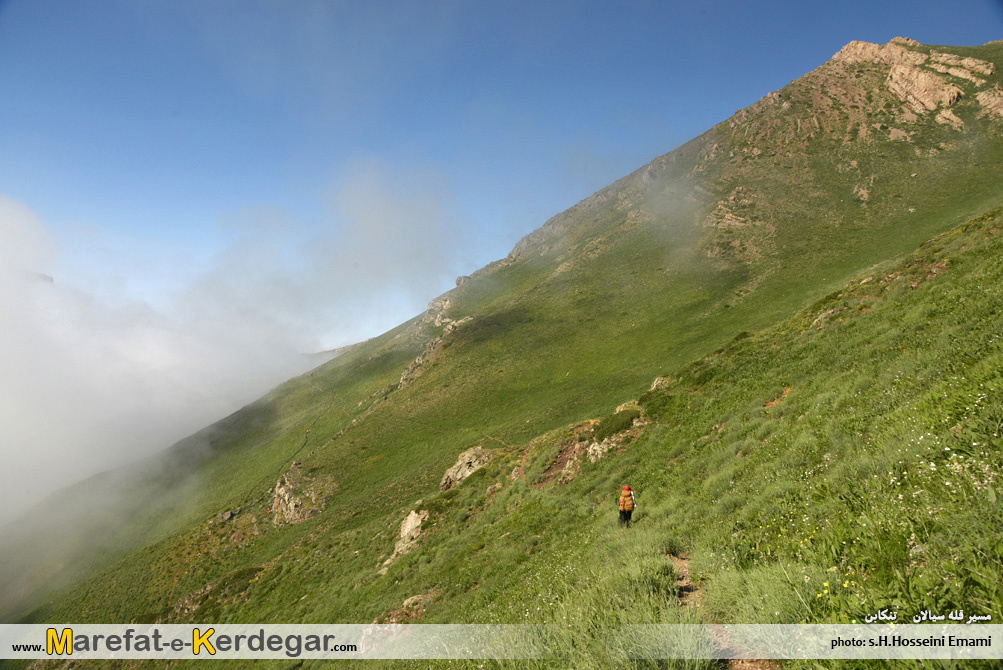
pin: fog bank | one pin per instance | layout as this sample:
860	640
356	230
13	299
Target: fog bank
91	380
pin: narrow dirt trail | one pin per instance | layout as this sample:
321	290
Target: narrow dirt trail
691	595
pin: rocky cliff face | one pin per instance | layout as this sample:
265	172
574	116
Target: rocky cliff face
923	81
848	98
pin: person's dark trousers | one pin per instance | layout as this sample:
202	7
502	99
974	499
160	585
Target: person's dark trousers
624	517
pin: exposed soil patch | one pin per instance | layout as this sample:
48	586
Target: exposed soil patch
567	452
770	404
689	595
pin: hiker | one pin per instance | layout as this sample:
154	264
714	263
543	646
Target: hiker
626	505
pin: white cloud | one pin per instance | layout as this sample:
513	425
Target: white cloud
91	382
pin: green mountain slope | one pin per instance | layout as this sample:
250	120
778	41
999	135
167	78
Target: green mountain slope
841	171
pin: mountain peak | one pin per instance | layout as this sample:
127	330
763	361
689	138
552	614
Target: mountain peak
924	78
895	51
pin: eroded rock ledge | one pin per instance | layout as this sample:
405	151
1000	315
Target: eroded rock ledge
918	80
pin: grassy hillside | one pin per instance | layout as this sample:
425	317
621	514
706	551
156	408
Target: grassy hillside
843	460
763	460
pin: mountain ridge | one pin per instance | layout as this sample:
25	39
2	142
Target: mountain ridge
897	52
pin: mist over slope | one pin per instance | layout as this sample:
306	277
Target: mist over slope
842	170
102	370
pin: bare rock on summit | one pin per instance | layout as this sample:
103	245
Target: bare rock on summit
916	78
890	54
469	462
858	52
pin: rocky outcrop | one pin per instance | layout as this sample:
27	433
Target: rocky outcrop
740	234
973	64
915	77
558	231
227	515
867	52
630	404
573	466
725	215
410	533
597	450
920	89
416	367
958	72
437	307
287	507
823	317
213	593
946	116
295	499
469	462
386	390
660	383
991	100
431	349
191	602
450	324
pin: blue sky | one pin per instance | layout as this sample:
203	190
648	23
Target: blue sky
146	135
217	186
